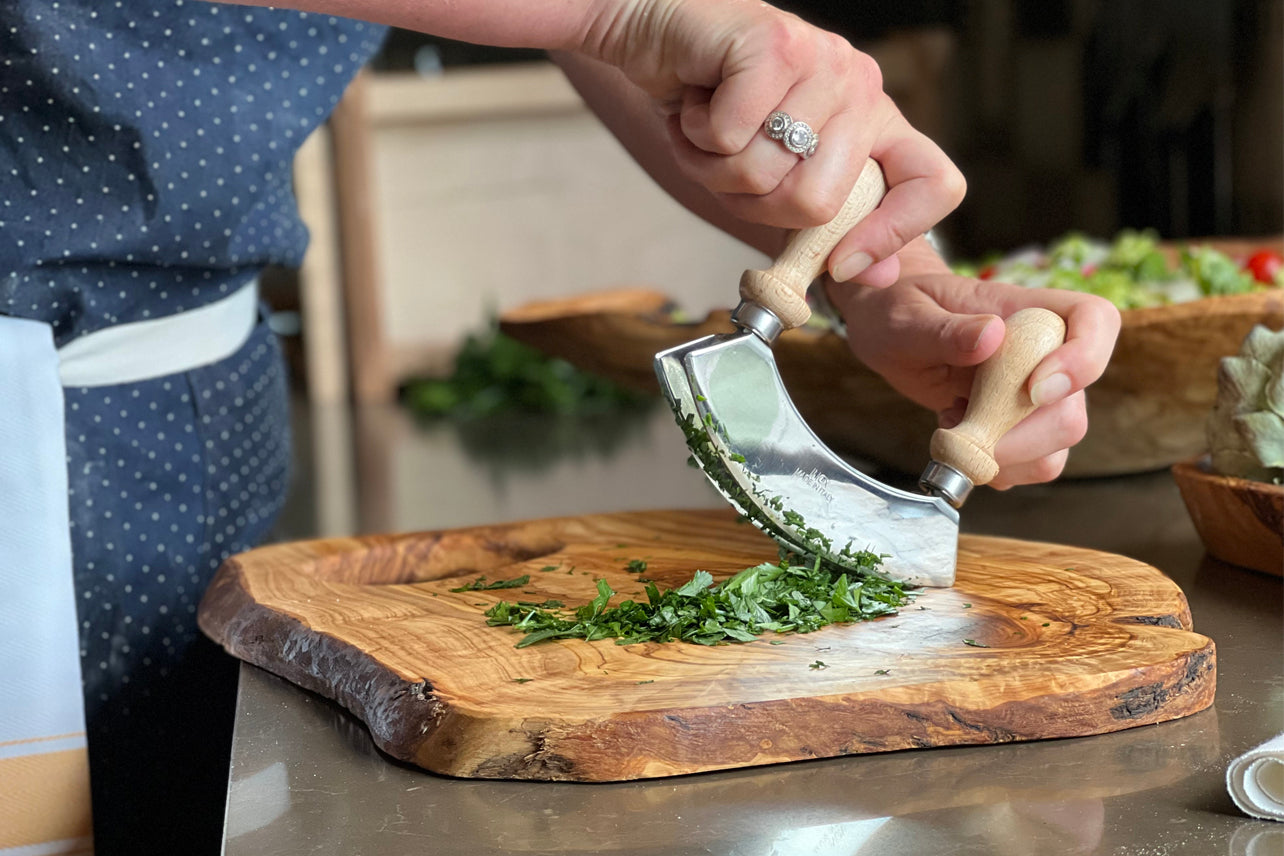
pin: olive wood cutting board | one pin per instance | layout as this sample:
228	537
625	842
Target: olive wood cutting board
1075	642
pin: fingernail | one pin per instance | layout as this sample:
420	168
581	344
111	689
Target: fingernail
850	267
975	332
1050	390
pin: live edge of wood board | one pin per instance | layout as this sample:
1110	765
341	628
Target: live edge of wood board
1033	641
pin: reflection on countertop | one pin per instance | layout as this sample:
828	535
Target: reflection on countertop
379	469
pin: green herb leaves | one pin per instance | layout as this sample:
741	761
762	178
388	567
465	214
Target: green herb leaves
699	583
778	598
480	584
495	373
792	531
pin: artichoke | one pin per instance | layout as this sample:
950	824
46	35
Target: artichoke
1246	428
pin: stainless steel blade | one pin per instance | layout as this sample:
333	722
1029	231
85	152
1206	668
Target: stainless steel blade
676	387
765	456
747	436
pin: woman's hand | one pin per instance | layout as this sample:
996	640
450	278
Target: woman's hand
718	68
926	334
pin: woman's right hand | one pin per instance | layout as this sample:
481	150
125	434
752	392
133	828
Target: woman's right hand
718	68
927	333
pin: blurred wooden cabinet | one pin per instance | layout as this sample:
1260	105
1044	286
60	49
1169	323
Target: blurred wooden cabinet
461	195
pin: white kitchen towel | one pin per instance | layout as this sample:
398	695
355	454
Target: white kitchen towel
44	769
1256	780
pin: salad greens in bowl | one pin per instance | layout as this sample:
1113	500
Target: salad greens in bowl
1134	271
1184	305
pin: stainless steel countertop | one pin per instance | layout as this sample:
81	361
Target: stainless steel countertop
307	779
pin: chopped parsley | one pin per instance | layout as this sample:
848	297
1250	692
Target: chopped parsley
771	597
792	533
480	584
811	585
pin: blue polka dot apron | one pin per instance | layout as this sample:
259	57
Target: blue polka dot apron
145	178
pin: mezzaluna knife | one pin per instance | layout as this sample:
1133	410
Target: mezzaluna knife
747	436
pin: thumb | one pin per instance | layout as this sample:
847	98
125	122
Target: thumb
948	339
913	328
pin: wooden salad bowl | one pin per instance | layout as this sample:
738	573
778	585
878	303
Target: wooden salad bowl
1146	412
1240	521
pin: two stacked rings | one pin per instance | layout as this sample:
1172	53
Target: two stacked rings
796	136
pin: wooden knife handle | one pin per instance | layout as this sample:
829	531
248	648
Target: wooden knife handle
999	398
782	288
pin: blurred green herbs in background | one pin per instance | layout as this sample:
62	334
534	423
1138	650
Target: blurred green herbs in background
496	374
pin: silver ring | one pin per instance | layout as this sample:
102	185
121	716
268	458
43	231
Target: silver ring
796	136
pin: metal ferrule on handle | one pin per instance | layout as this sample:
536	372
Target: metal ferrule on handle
949	484
757	319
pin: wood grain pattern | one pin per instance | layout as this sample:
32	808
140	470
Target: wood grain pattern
1239	521
1145	413
1079	642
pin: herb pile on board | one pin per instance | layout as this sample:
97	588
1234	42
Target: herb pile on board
778	598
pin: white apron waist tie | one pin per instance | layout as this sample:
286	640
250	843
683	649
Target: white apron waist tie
43	756
140	350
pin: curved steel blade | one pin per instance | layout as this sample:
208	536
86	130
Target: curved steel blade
759	452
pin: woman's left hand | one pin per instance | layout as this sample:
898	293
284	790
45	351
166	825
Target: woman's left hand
927	333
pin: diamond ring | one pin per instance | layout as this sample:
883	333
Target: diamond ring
796	136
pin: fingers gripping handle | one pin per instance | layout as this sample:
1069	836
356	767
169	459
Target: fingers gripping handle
782	288
1000	398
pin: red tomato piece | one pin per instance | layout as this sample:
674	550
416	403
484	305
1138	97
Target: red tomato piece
1264	265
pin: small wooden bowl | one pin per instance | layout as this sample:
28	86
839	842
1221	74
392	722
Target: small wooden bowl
1239	521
